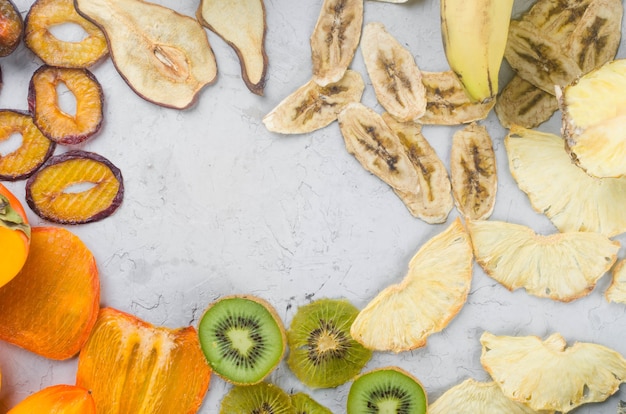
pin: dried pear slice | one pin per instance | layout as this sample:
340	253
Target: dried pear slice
522	103
538	59
396	79
241	23
473	172
560	266
471	396
597	35
594	115
402	316
432	200
45	14
616	292
51	192
571	199
376	147
33	151
166	63
548	375
56	124
312	107
335	38
447	103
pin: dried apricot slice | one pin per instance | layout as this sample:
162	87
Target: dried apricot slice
50	191
131	366
56	124
11	27
44	15
50	307
33	151
57	399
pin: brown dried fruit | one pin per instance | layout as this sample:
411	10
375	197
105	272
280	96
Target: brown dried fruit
522	103
56	124
50	192
11	27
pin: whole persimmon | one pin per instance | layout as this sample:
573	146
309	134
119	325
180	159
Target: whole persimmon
14	236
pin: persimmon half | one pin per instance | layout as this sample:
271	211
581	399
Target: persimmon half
14	236
50	307
57	399
131	366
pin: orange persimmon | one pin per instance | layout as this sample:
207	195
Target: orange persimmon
50	307
131	366
14	236
57	399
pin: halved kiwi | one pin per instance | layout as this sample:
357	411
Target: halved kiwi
259	398
322	353
304	404
387	390
242	338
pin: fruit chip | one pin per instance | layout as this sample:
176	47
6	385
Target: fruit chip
549	375
12	27
303	403
58	125
34	149
57	399
257	398
45	14
50	192
522	103
561	266
616	292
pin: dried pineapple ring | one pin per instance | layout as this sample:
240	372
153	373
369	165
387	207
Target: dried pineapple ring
53	122
45	14
48	195
34	150
616	292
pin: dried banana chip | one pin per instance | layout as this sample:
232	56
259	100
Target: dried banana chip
376	147
557	19
447	103
471	396
402	316
571	199
616	292
432	200
312	107
549	375
396	79
560	266
594	117
537	58
334	40
522	103
473	172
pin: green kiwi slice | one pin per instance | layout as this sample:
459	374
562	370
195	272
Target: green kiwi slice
322	353
389	390
242	338
304	404
261	398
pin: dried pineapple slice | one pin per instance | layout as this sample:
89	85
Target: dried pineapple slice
547	375
402	316
571	199
616	292
522	103
471	396
594	117
561	266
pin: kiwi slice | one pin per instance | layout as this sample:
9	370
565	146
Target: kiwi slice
304	404
388	390
242	338
261	398
323	354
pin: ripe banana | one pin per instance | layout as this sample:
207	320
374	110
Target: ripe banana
474	36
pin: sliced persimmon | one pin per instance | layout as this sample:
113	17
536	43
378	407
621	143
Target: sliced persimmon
50	307
49	191
46	14
57	399
33	150
51	119
131	366
14	236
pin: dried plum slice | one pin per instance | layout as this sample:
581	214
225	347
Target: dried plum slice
46	14
56	124
33	150
11	27
51	191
